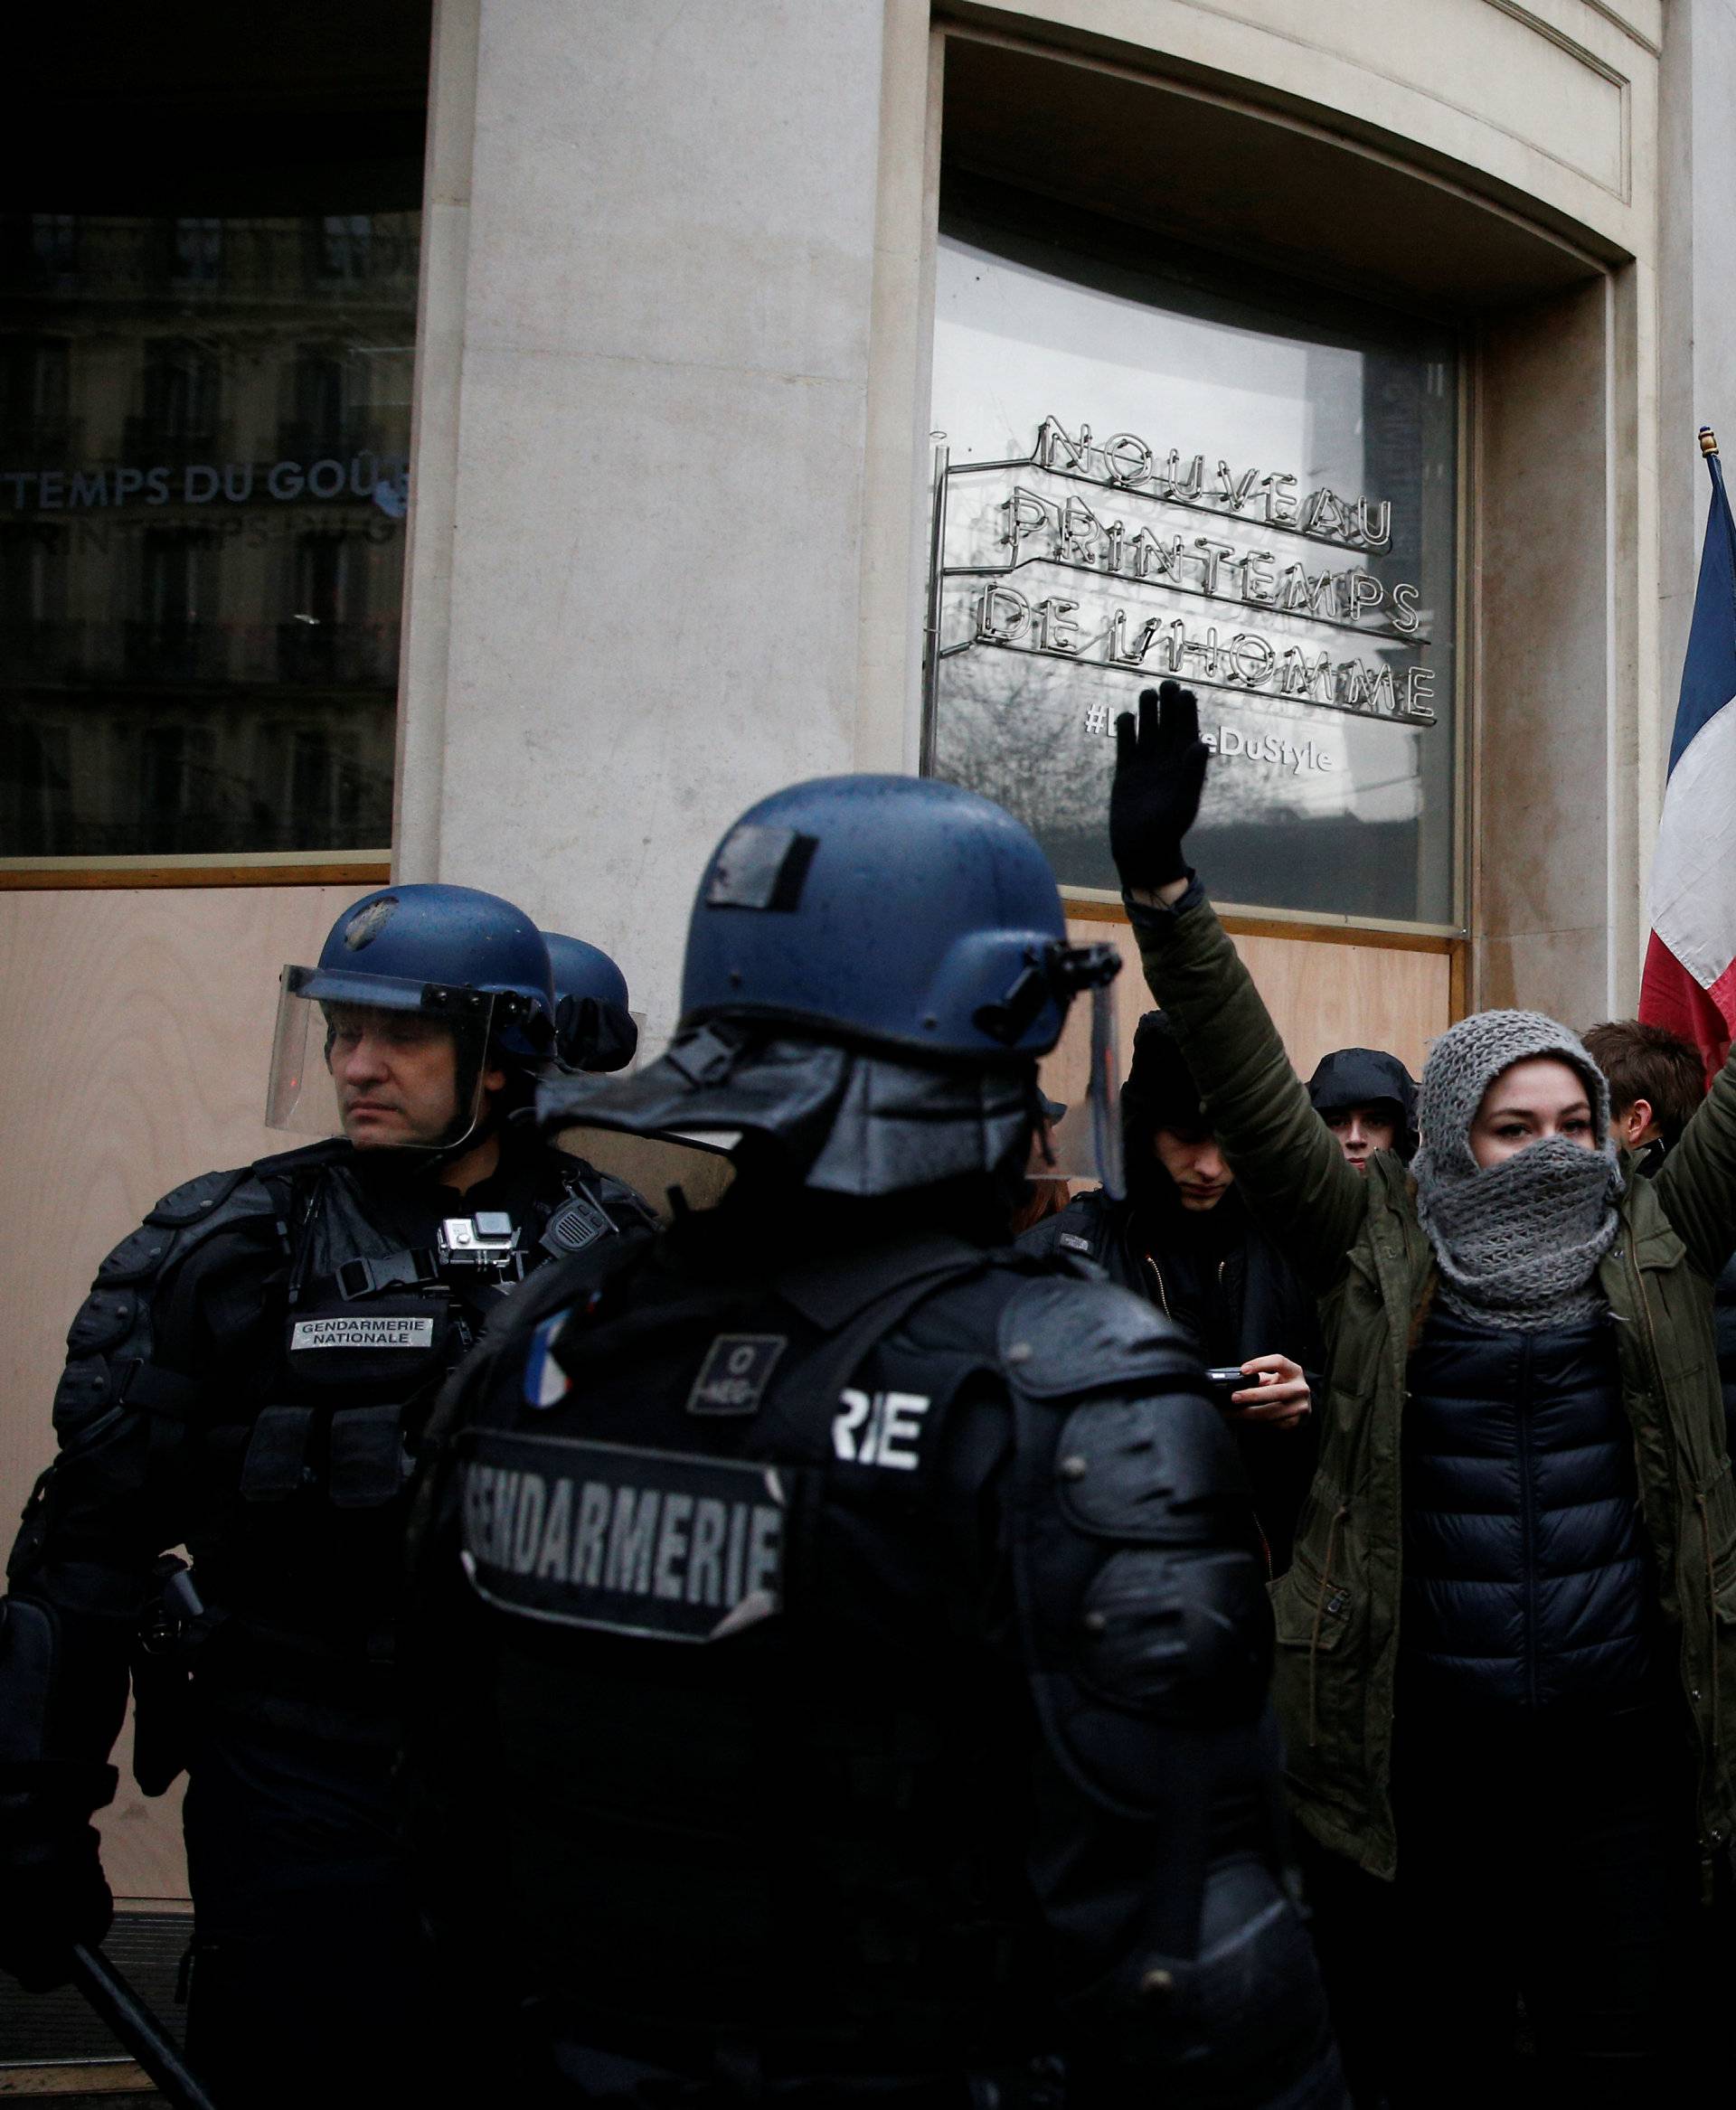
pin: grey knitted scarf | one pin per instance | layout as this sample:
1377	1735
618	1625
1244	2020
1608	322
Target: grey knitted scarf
1517	1243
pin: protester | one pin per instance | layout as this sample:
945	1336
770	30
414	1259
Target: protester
1525	1457
1182	1238
1656	1081
1368	1098
1045	1191
1655	1078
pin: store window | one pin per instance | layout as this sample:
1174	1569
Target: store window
204	438
1152	464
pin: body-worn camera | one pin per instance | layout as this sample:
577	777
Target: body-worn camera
487	1242
482	1248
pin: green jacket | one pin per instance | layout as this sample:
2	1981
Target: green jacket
1355	1240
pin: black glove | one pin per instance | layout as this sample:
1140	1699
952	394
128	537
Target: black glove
52	1892
1159	773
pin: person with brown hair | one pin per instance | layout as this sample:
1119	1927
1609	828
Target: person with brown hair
1046	1192
1655	1080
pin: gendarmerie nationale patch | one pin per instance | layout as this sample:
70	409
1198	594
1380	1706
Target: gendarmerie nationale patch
646	1544
737	1369
362	1331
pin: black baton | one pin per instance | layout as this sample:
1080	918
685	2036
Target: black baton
137	2028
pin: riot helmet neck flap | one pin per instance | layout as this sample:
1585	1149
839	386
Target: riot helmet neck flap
594	1029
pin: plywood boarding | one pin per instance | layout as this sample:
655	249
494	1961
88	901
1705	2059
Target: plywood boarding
1322	995
133	1039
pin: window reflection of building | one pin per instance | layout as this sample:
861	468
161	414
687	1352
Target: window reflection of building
33	398
204	423
1077	569
183	392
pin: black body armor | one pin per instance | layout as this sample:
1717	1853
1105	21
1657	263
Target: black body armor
248	1378
849	1674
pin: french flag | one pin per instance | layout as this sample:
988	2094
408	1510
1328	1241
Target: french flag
1690	979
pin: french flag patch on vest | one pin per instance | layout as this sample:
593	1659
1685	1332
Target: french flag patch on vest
546	1384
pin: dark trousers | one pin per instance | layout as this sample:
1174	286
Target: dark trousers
1544	1863
305	1981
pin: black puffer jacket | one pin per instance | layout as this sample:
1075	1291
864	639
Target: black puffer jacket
1527	1574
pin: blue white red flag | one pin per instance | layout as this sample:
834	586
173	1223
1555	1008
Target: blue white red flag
1690	978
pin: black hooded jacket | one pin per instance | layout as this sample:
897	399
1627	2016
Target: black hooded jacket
1214	1270
1218	1273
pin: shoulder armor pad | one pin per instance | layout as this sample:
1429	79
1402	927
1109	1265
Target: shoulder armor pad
83	1391
1141	1599
1061	1337
1146	1472
109	1342
105	1318
194	1200
136	1258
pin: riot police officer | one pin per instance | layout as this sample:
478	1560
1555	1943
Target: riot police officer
843	1651
247	1378
593	1027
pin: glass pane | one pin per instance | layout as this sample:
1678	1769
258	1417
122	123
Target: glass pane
1153	471
205	429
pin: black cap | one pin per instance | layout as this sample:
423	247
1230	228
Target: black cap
1160	1088
1367	1077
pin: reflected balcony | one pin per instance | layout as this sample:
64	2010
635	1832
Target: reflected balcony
175	652
338	656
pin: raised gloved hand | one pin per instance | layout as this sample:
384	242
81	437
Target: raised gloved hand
52	1892
1159	775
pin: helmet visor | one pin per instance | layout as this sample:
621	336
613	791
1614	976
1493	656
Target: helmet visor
1104	1094
392	1065
1085	1144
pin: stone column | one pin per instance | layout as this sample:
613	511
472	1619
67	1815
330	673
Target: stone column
635	576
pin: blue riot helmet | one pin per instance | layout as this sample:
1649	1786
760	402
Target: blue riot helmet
874	965
593	1027
409	967
896	911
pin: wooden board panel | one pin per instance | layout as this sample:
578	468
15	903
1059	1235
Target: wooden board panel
134	1040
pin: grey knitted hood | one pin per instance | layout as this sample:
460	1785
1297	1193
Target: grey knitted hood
1517	1243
